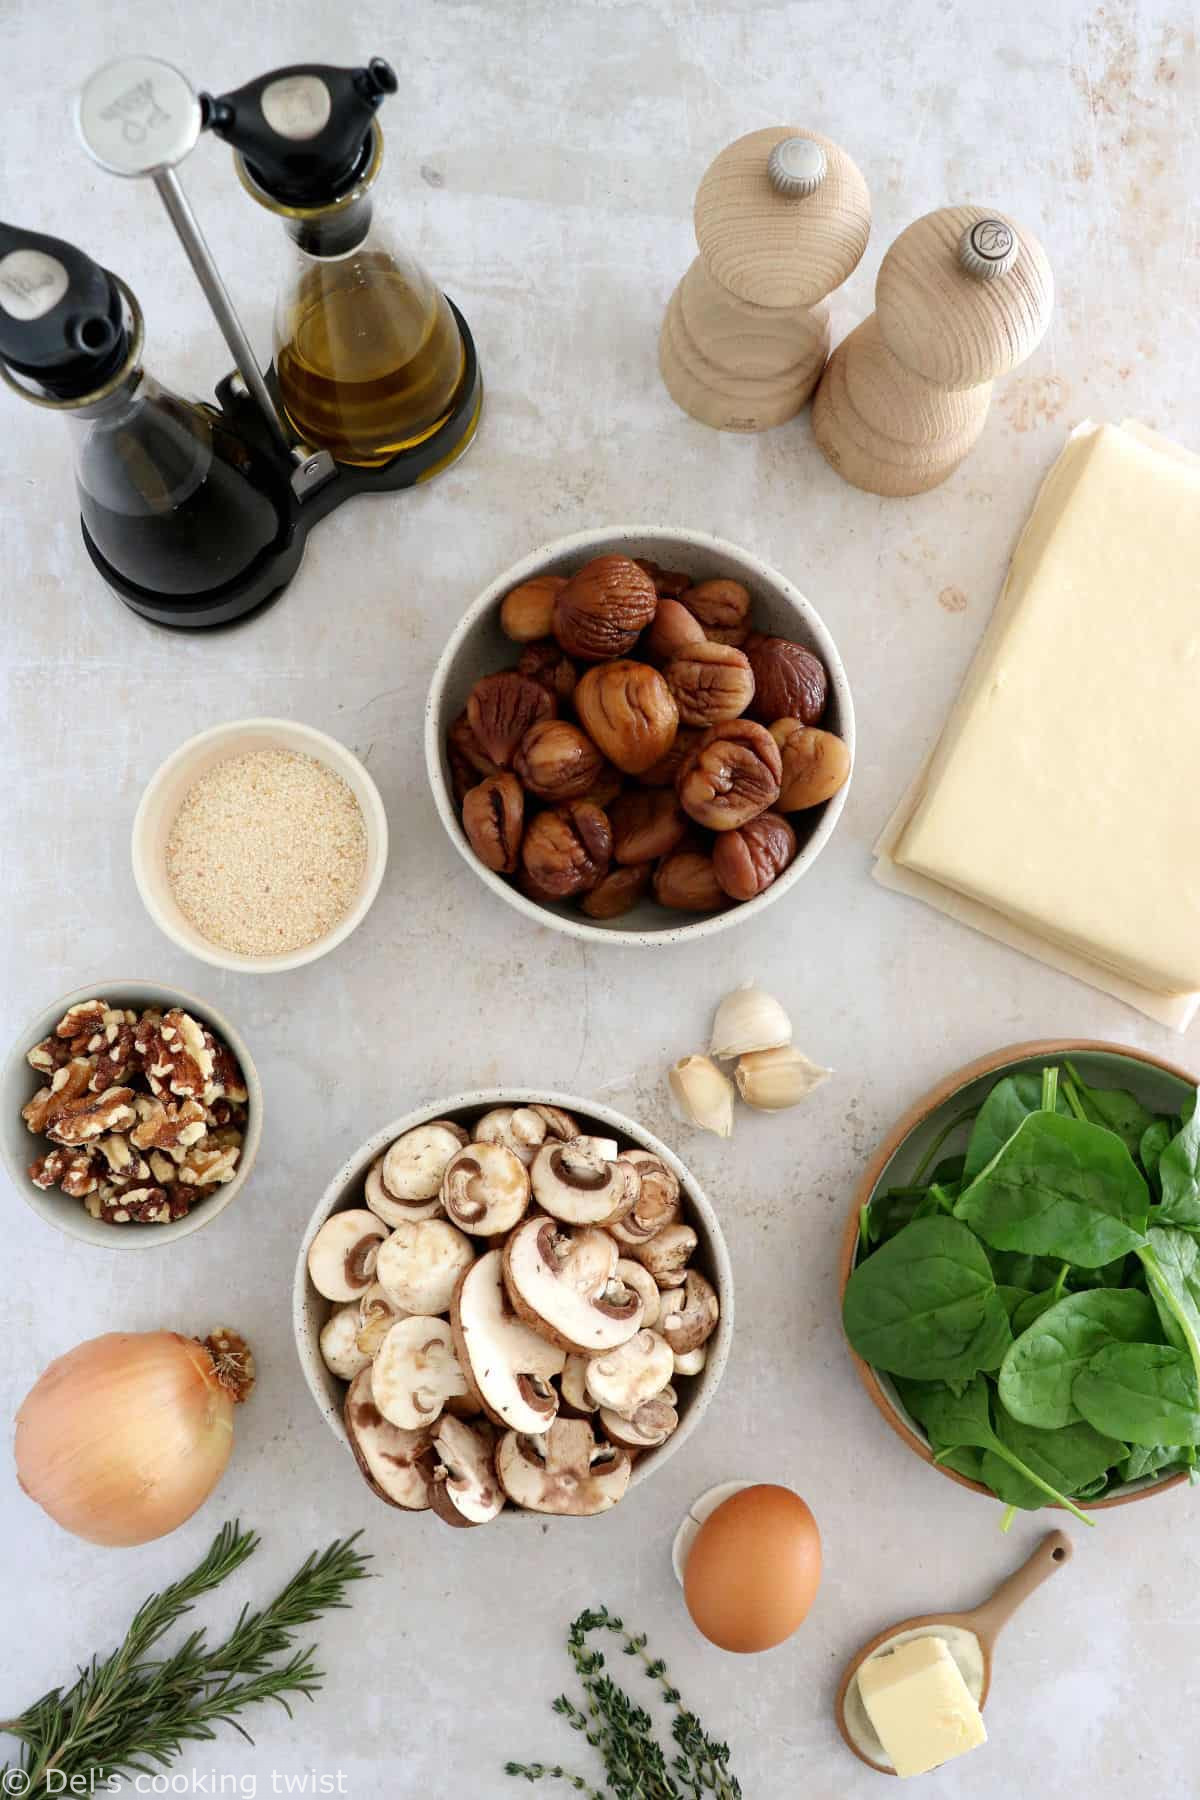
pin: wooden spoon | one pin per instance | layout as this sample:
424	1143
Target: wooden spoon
986	1623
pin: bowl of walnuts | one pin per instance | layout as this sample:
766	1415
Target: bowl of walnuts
640	734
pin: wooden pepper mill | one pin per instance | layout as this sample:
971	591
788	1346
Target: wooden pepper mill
961	297
782	218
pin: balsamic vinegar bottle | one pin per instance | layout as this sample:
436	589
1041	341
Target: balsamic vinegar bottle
368	355
171	499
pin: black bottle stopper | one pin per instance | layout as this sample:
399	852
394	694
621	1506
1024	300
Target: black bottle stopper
304	132
62	319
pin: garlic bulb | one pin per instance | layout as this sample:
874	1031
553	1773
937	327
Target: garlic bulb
748	1020
703	1095
774	1079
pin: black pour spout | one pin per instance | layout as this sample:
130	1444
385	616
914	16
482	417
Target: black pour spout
305	131
62	319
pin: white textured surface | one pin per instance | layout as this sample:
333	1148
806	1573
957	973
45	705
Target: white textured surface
542	158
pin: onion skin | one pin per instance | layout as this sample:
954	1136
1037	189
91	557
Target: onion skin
125	1436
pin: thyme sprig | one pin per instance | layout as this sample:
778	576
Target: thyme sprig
636	1767
127	1712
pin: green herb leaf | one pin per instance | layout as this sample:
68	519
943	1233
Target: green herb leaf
1008	1104
1141	1393
1038	1374
1059	1187
1179	1173
1154	1141
962	1421
1116	1109
925	1305
1070	1459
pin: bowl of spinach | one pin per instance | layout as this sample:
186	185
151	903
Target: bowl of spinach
1021	1276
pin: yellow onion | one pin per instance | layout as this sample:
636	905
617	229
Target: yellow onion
124	1437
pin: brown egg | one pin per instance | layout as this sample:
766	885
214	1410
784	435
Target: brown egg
754	1569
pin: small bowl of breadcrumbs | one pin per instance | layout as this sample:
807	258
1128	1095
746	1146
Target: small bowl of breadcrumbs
260	845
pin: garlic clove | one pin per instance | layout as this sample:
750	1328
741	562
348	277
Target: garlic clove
747	1020
703	1095
774	1079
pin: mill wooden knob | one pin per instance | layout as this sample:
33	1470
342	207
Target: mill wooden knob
782	218
963	296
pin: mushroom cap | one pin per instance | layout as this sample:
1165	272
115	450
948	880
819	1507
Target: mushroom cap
635	1371
342	1256
415	1372
565	1471
339	1343
651	1424
561	1282
667	1253
414	1165
519	1128
573	1386
658	1203
583	1181
464	1491
419	1265
485	1189
377	1313
559	1124
690	1362
386	1207
507	1366
634	1275
394	1462
688	1315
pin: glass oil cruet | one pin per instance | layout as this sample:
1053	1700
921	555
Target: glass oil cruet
171	499
369	359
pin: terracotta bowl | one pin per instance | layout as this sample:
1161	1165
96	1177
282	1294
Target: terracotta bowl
1158	1084
478	647
310	1310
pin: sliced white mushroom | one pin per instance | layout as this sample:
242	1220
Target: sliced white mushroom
465	1490
635	1371
394	1462
559	1124
341	1258
583	1181
573	1383
508	1367
415	1372
518	1128
563	1471
377	1313
690	1362
658	1203
632	1275
414	1165
688	1315
667	1254
563	1283
419	1265
386	1207
339	1343
485	1189
651	1425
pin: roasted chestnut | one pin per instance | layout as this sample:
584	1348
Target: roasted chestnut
731	776
687	881
567	849
619	892
626	708
723	609
557	761
789	681
815	764
500	710
647	823
751	857
493	814
711	683
527	612
603	608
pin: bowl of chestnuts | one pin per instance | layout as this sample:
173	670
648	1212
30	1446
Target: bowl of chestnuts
641	735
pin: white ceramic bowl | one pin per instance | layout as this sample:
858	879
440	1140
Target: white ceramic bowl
310	1310
19	1083
165	795
479	647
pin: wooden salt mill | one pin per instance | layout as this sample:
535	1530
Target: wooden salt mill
961	297
782	218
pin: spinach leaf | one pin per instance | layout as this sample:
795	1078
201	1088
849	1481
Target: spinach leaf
1154	1141
1012	1268
1009	1102
1115	1108
1092	1490
1059	1187
957	1422
1149	1459
1031	1310
1179	1173
1141	1393
1038	1373
925	1305
1014	1299
1070	1459
1171	1261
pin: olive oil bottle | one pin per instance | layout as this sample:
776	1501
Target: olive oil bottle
369	359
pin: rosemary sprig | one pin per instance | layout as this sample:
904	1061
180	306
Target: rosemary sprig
635	1765
128	1712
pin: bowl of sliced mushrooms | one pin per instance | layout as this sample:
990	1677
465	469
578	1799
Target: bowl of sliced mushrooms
512	1301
